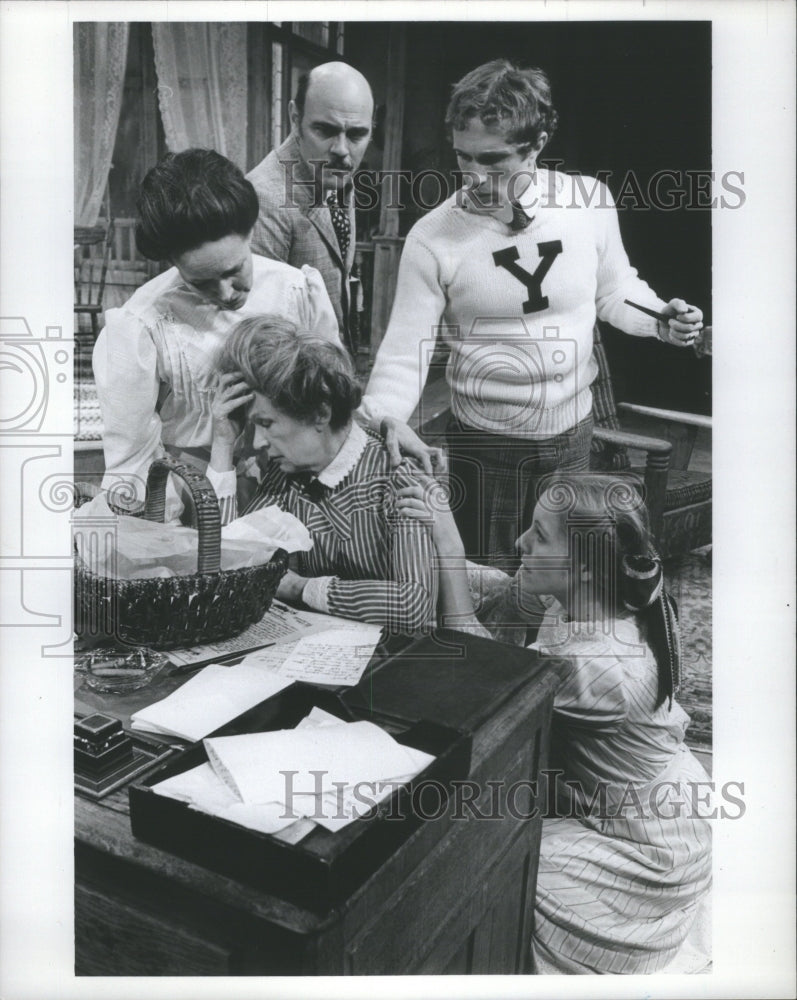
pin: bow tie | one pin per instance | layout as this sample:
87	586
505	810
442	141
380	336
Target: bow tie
308	484
517	223
519	218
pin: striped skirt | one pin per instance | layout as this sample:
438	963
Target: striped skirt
618	894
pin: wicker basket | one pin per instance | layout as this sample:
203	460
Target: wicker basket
170	612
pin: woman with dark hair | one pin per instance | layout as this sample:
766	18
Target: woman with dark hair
154	362
368	562
625	859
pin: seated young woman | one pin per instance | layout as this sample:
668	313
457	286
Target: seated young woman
368	561
625	860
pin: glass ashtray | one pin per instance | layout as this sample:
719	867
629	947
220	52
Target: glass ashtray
118	671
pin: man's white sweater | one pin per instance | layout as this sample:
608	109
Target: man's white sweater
517	309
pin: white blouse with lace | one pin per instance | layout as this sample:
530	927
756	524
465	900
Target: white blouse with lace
155	362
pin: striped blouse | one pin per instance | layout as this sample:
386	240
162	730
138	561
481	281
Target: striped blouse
368	562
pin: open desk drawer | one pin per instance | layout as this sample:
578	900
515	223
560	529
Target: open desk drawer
323	868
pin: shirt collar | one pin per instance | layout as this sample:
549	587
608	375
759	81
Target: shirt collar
341	198
346	458
543	189
529	201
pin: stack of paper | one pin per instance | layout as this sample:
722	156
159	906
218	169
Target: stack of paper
324	770
218	694
211	698
260	767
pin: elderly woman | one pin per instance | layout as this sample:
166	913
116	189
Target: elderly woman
154	363
368	561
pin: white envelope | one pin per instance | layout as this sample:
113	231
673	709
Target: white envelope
209	699
266	767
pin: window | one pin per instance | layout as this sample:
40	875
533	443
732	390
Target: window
279	52
295	48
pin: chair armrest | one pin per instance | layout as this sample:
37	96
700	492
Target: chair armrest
657	466
677	416
627	439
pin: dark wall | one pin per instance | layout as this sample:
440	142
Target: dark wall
633	98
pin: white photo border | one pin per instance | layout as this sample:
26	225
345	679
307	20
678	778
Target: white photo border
753	457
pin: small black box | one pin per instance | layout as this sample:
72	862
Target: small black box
100	745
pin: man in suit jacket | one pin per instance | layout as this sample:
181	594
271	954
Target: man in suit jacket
331	121
331	118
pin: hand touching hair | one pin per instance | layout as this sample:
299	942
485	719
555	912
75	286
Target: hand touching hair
299	373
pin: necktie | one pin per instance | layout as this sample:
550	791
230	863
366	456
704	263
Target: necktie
340	223
519	218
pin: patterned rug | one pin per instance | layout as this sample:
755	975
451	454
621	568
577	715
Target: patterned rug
87	420
688	579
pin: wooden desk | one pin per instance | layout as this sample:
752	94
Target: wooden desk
456	897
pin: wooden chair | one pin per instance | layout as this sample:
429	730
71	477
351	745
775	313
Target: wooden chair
678	499
91	271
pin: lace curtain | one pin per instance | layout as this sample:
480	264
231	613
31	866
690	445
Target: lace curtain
98	77
202	87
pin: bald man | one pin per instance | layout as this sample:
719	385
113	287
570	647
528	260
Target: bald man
305	186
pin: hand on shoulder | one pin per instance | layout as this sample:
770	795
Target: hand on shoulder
401	440
427	500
